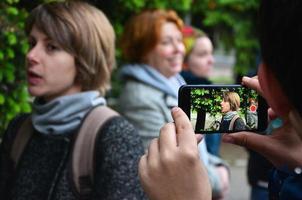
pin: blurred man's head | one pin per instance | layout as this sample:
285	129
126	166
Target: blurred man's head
281	43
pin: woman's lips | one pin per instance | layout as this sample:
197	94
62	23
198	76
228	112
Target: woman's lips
33	78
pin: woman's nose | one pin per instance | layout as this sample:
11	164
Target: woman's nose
179	46
32	55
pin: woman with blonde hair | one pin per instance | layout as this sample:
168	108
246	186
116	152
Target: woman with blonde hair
229	106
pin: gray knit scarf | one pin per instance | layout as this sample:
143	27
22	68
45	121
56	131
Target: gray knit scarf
64	114
229	115
150	76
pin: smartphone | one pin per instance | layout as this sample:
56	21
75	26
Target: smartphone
223	108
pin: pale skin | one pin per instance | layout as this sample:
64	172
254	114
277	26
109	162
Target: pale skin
284	147
168	54
201	59
172	169
225	106
51	71
224	181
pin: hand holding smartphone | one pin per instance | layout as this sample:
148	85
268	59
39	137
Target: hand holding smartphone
223	108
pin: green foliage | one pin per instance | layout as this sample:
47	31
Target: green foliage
209	100
180	6
235	22
13	46
119	11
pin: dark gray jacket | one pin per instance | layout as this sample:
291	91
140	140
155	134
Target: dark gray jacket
43	171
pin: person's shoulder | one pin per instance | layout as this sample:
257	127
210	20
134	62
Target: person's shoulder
190	78
240	124
138	87
137	93
13	127
239	120
119	132
118	127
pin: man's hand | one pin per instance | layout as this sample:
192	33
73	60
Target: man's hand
172	169
283	148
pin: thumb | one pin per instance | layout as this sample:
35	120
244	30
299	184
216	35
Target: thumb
256	142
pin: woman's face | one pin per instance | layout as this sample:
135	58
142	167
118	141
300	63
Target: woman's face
167	56
225	106
51	71
201	60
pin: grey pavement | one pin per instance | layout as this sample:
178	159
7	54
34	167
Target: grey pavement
237	159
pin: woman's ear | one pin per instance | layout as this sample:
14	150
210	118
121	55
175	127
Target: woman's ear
273	92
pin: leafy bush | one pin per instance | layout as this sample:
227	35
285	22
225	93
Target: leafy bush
13	46
235	25
209	100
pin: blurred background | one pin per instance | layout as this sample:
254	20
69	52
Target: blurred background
231	25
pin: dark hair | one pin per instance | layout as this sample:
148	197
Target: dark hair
281	43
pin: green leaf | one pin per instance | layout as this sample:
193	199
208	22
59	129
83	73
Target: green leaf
9	73
25	108
24	47
12	10
10	1
12	39
1	55
10	53
2	99
10	77
16	108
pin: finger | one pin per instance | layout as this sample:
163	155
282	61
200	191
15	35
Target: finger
271	114
184	129
143	167
252	83
167	137
256	142
153	151
199	138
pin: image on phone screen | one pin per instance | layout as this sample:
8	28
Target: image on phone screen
221	109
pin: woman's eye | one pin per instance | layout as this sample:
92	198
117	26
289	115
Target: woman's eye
201	53
51	47
180	39
165	42
31	44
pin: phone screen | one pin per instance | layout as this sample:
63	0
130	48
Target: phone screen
223	108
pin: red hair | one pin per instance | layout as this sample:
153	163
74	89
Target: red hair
142	33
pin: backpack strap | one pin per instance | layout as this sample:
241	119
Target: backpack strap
23	136
84	149
231	126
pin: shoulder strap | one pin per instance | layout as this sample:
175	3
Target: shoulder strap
23	136
231	127
84	148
